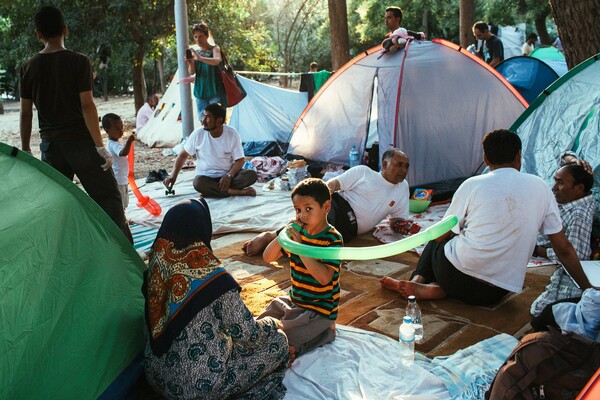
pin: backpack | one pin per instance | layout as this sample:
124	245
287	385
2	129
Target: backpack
546	365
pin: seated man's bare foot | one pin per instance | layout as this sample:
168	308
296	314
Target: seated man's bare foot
422	291
292	356
389	283
332	327
249	191
257	244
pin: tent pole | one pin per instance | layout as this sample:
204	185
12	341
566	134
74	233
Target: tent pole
185	95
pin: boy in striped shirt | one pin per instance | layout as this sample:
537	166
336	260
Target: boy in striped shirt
308	315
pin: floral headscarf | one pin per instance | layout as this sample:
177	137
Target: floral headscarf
183	275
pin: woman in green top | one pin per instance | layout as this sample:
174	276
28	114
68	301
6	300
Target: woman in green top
208	87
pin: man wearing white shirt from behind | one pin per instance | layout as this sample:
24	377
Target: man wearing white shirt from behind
499	215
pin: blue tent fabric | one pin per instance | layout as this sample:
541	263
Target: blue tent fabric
530	76
268	113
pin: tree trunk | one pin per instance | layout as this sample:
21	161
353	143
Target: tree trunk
161	67
578	28
467	19
139	81
338	33
542	31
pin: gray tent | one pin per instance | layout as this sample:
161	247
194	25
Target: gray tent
434	100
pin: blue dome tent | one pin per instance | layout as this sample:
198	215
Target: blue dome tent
529	75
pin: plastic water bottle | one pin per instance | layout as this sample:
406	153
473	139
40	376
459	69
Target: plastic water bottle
414	312
353	157
407	342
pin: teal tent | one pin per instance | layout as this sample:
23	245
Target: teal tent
71	309
553	57
564	117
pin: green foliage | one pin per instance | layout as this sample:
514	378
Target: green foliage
262	35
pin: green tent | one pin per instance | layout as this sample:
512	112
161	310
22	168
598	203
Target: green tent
71	309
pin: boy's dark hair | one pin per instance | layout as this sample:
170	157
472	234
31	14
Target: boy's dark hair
397	11
50	22
532	36
313	187
217	110
501	146
481	26
580	175
108	120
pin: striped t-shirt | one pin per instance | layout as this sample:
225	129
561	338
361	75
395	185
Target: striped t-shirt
306	291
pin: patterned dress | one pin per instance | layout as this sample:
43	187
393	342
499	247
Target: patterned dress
202	342
223	353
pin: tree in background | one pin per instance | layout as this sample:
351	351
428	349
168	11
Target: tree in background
338	33
467	18
293	33
578	28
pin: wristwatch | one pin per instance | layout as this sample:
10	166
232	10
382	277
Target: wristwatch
229	175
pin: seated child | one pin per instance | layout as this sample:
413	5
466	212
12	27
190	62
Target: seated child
113	126
308	315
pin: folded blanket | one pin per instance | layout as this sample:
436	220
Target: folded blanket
468	373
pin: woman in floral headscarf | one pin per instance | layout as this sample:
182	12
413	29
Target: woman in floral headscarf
203	343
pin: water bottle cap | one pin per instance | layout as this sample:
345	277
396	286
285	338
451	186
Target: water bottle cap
412	298
407	319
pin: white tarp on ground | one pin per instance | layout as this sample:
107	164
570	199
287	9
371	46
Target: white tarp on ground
365	365
269	210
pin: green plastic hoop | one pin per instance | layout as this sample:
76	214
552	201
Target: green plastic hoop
371	252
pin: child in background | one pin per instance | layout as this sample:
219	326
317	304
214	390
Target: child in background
308	315
113	125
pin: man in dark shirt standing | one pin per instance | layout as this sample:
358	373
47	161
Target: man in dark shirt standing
59	82
492	51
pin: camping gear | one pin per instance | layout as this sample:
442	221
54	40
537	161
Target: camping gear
529	75
566	116
264	119
433	100
546	365
72	310
234	91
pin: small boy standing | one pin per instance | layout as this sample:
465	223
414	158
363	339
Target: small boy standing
308	315
113	125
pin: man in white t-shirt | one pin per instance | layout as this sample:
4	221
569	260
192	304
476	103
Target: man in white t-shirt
219	158
145	112
361	198
529	46
499	215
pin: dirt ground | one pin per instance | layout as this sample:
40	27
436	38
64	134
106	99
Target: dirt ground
146	158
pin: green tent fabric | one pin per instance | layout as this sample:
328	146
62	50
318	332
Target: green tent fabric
71	309
547	53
